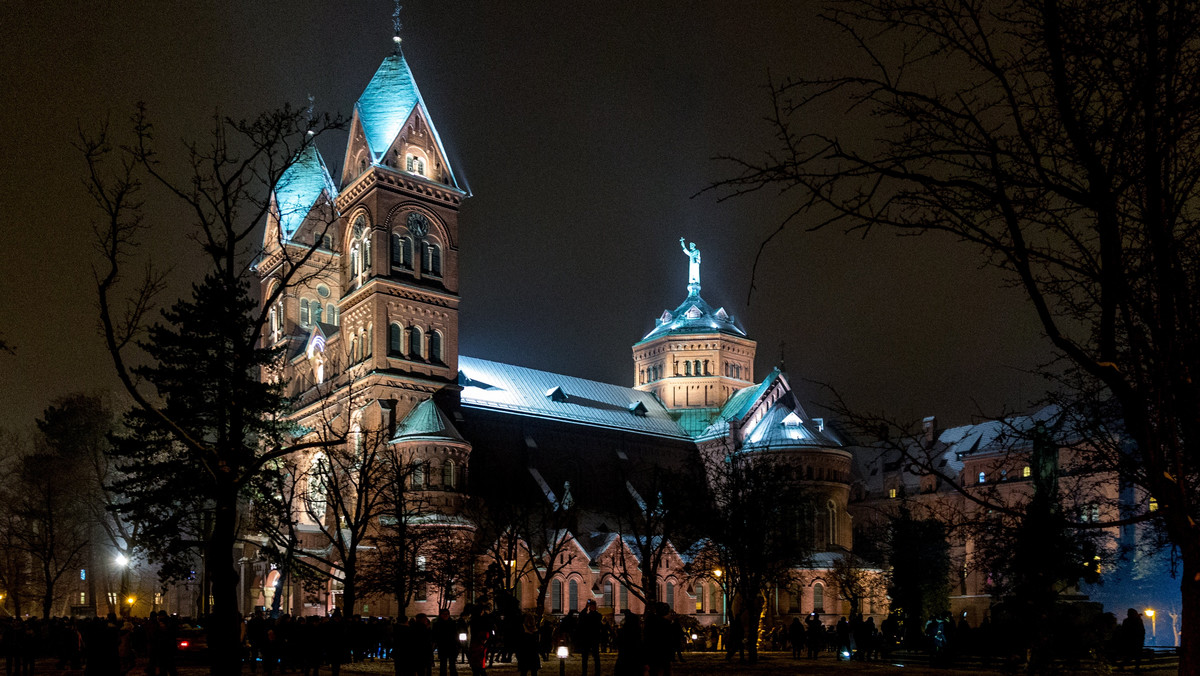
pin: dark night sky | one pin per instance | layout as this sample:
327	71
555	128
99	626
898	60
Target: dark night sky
583	129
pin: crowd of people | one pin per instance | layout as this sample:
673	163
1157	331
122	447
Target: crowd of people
480	638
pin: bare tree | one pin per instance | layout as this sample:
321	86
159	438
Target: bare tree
220	423
1058	139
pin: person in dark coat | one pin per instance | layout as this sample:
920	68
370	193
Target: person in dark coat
587	636
445	639
630	661
796	637
336	647
1132	636
529	659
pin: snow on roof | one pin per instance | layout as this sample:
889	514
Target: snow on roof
492	385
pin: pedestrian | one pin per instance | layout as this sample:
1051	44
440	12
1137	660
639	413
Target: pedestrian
796	637
587	636
1132	637
629	647
529	659
445	639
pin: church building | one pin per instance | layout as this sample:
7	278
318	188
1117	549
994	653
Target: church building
371	338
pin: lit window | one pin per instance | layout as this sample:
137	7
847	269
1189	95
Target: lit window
1026	472
699	598
414	165
983	477
573	595
83	598
421	564
158	598
1153	504
112	598
891	492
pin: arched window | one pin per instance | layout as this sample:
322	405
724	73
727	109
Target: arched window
354	269
318	476
353	350
556	599
448	474
1026	472
831	510
696	367
368	338
818	597
414	343
414	165
671	595
687	368
435	347
304	317
274	325
573	595
397	251
367	253
362	167
331	316
983	477
608	594
395	339
699	598
431	259
418	474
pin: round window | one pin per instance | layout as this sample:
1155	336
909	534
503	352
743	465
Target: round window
323	291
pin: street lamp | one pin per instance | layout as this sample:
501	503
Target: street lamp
717	574
462	645
562	660
122	561
1153	626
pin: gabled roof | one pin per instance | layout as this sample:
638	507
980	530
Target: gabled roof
785	425
694	316
299	188
386	104
426	422
504	387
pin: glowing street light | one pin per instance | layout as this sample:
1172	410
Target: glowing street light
562	660
1153	626
130	600
122	560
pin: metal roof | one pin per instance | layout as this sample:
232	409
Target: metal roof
694	316
426	421
492	385
786	425
299	187
387	103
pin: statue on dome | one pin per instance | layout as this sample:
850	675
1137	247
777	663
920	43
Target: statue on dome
693	255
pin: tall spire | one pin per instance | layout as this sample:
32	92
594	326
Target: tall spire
396	25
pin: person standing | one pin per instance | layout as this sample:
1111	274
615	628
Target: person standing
445	639
587	636
1133	637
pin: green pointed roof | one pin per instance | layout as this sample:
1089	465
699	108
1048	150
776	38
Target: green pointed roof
426	421
299	187
694	316
386	104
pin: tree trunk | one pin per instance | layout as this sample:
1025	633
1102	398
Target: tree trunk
349	592
1189	634
543	589
48	592
224	636
753	604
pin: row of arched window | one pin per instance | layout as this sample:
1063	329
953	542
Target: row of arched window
411	343
402	255
649	375
311	313
687	367
733	371
565	598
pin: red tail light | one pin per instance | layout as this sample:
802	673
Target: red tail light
183	644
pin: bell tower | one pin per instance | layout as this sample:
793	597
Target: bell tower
696	357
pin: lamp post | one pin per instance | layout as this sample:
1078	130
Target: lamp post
1153	626
122	562
462	646
562	660
724	596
